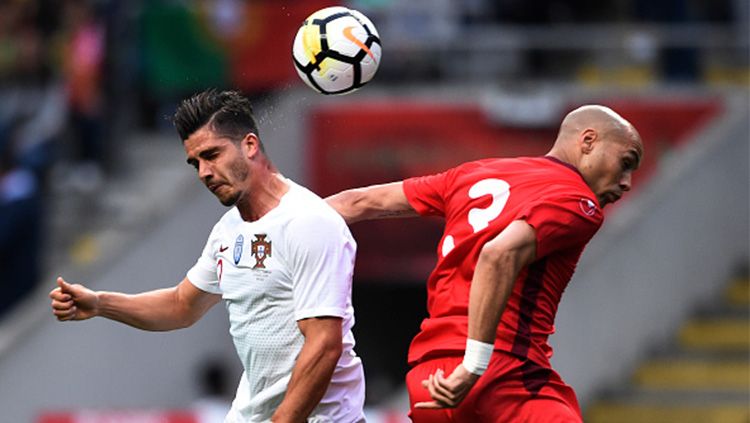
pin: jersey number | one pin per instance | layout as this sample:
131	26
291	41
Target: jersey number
481	218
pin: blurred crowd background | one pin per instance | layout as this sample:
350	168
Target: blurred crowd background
79	79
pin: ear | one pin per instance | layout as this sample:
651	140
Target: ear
587	139
251	144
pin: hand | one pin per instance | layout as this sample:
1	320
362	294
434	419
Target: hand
73	302
448	392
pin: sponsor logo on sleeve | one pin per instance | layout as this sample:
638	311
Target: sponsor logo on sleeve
587	206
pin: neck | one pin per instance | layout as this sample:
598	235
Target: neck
563	155
263	197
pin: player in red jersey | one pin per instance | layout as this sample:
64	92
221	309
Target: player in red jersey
514	231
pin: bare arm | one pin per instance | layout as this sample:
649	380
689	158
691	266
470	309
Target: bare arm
373	202
313	370
499	264
158	310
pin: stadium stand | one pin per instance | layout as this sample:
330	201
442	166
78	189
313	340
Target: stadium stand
702	376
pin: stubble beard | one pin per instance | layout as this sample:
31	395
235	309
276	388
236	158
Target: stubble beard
240	171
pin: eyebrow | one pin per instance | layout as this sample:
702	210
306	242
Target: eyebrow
211	150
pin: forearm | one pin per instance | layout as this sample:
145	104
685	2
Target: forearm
491	287
500	262
373	202
310	379
157	310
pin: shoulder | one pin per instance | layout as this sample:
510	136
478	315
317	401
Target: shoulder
229	220
496	167
309	211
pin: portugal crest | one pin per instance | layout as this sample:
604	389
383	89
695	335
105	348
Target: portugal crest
260	249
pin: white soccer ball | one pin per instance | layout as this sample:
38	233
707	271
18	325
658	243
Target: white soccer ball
337	50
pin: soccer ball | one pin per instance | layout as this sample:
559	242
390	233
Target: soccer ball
337	50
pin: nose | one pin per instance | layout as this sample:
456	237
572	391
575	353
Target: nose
626	181
204	170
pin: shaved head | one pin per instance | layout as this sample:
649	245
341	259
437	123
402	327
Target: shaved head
597	117
601	120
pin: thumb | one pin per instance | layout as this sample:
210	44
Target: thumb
64	286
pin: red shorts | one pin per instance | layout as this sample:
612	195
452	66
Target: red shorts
511	390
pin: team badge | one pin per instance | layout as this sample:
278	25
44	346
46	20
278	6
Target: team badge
238	248
587	206
260	249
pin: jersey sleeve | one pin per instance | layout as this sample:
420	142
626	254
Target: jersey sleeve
427	193
562	222
322	265
203	274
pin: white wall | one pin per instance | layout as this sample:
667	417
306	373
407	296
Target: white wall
654	260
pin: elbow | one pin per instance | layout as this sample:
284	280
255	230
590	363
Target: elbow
501	257
183	315
185	323
330	349
495	255
349	204
516	248
333	348
187	317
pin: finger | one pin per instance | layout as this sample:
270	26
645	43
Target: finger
428	405
440	395
62	305
57	294
443	387
426	382
429	379
66	314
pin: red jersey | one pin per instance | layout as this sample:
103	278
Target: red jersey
478	200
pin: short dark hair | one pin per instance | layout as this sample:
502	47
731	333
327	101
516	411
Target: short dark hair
229	114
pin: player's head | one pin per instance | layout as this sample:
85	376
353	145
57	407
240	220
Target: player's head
604	147
227	113
220	138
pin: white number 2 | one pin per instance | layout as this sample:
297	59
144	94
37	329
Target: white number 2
500	190
481	218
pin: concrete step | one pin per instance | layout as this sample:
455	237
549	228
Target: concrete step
625	412
738	292
716	334
688	374
660	396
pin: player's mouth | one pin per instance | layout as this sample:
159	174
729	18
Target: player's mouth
613	197
214	187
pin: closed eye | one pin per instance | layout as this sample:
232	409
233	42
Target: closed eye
629	162
209	154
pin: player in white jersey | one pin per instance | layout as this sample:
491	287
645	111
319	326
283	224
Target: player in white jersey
281	259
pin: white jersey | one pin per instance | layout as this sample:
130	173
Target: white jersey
293	263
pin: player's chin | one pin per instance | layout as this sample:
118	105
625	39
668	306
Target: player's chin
226	199
609	198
